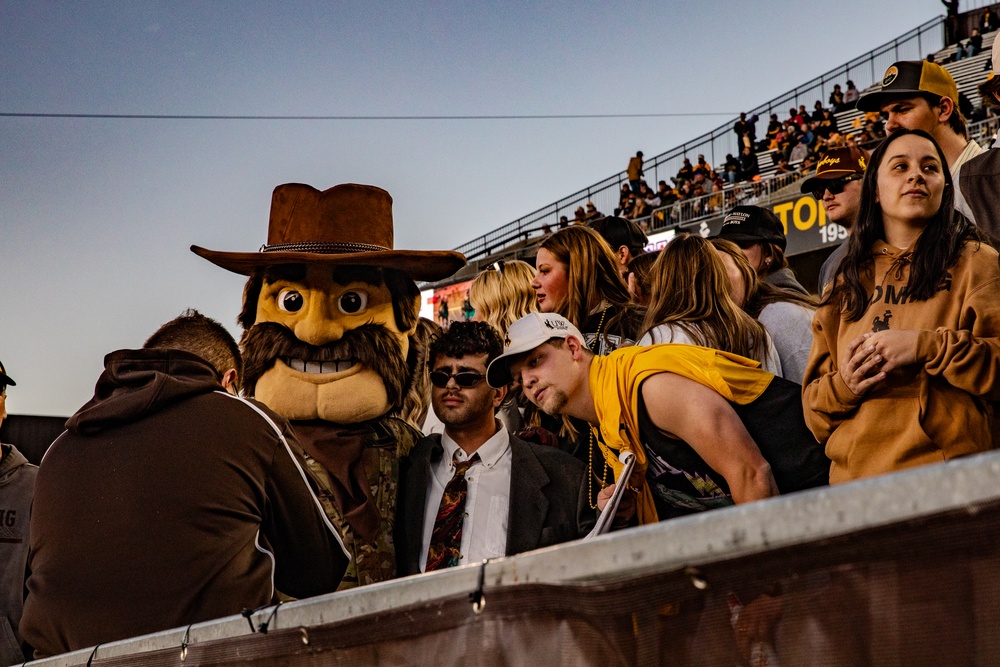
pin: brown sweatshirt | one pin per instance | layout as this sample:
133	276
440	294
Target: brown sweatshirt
168	502
934	410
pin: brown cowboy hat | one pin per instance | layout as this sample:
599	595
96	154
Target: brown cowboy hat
347	224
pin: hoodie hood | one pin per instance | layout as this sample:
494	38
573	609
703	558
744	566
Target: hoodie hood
137	383
11	460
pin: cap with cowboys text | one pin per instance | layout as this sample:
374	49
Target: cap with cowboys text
525	335
837	163
910	77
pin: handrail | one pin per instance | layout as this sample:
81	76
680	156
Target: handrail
693	209
714	144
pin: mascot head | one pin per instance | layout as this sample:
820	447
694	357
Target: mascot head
330	306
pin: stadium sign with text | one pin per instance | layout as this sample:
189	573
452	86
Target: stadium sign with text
804	219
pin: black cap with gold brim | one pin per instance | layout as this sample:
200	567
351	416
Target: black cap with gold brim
910	77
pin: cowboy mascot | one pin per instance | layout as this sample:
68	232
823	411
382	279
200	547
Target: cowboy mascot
328	313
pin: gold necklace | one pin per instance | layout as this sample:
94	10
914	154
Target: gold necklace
590	442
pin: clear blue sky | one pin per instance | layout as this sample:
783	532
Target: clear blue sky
97	215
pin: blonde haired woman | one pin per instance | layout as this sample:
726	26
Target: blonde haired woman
691	305
578	277
503	294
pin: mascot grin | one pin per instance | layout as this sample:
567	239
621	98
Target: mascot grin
328	313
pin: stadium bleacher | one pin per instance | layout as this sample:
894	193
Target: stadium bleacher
518	238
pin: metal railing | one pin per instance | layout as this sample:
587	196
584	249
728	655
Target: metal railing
715	145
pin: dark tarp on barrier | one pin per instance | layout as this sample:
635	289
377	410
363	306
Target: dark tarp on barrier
924	592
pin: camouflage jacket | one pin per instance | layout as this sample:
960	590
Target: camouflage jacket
371	562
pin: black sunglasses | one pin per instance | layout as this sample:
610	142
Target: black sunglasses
465	379
836	186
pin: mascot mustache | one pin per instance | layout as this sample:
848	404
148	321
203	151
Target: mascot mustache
371	345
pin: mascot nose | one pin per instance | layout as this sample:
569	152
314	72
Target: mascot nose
319	327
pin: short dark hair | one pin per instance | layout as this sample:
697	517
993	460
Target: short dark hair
193	332
620	232
465	338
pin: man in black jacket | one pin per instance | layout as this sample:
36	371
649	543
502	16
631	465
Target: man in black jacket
476	491
169	501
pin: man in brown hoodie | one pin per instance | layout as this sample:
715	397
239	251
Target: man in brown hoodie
170	501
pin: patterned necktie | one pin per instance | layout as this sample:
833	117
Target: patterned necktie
446	540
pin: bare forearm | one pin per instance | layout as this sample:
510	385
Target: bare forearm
752	483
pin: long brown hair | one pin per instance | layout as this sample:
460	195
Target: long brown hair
759	293
935	251
592	276
690	289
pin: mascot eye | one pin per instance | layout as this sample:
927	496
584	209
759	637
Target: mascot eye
289	300
353	302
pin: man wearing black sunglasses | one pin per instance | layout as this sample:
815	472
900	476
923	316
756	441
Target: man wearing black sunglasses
837	184
477	491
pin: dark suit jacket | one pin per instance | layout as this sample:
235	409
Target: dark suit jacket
549	500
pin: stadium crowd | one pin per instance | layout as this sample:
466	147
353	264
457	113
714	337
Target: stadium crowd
708	360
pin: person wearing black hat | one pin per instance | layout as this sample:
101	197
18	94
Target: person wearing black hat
625	237
17	483
837	185
977	194
921	95
761	237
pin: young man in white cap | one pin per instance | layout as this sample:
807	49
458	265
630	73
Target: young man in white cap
837	185
708	428
921	95
979	183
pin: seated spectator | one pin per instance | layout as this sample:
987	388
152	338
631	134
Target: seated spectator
748	164
195	504
898	381
473	492
800	150
563	221
685	173
817	113
971	47
702	167
592	212
579	216
837	99
786	314
17	481
773	126
628	211
761	237
690	304
715	202
670	406
851	95
732	169
652	198
783	167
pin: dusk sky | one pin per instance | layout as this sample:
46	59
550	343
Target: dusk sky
98	214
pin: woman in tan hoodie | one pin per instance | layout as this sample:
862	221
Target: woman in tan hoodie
905	362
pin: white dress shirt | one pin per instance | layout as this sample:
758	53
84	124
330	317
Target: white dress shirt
484	531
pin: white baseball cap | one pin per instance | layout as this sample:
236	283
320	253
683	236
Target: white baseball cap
525	335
